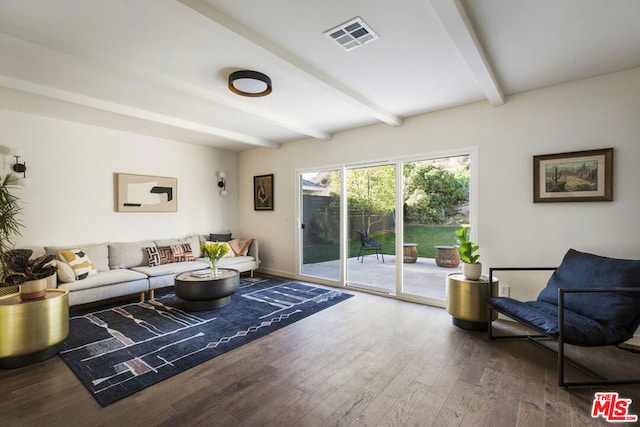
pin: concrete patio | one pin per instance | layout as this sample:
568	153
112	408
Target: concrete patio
422	278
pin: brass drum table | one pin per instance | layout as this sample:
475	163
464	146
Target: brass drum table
203	293
30	331
467	301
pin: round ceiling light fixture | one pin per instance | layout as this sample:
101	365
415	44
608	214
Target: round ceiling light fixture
249	83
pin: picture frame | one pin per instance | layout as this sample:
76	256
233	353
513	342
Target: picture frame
263	192
579	176
145	193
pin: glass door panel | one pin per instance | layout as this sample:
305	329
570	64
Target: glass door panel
320	223
436	202
371	228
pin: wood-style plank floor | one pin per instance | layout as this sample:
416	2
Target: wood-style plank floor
369	361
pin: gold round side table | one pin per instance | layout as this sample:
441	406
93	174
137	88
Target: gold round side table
30	331
467	301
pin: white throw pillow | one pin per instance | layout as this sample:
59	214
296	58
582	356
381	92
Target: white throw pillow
65	272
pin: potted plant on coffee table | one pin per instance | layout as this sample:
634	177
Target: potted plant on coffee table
32	275
471	268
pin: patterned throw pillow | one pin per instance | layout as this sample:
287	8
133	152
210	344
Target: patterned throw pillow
159	255
182	252
79	262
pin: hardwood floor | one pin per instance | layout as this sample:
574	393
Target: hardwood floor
369	361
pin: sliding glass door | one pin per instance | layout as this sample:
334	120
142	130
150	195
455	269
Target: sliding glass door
371	207
320	224
386	227
435	203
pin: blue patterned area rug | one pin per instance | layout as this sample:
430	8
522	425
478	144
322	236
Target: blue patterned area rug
119	350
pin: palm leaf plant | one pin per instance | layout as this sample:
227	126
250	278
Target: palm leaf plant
10	224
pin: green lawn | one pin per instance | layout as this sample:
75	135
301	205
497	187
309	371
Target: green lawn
427	237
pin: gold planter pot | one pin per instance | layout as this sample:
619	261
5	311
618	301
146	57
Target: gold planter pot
33	289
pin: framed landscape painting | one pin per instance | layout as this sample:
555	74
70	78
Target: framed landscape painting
263	192
143	193
580	176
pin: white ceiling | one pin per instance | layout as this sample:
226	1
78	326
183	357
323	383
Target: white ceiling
160	67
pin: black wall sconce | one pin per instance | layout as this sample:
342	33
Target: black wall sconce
222	183
17	166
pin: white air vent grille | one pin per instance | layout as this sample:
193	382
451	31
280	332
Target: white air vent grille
352	34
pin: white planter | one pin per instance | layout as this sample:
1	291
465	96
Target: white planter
472	271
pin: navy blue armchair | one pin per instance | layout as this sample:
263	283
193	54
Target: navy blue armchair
589	301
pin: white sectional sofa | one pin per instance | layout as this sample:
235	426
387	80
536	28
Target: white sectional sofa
123	268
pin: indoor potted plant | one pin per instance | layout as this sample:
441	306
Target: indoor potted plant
32	275
471	268
9	219
214	251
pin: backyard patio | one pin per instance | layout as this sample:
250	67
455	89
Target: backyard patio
423	278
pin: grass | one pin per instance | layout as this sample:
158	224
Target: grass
427	237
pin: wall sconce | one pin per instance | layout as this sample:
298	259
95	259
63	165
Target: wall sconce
17	166
222	183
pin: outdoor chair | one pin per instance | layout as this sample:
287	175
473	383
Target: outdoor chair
368	244
589	301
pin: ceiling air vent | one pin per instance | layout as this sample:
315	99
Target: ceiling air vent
352	34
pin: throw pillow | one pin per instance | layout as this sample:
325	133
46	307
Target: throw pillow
182	252
79	262
159	255
240	246
64	272
224	237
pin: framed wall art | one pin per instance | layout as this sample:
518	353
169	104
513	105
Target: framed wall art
143	193
263	192
580	176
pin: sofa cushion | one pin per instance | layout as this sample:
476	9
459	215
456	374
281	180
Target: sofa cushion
159	255
79	262
584	270
104	279
220	237
173	268
194	242
182	252
98	253
240	246
64	272
168	242
128	254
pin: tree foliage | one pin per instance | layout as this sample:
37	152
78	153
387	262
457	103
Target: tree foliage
432	192
371	193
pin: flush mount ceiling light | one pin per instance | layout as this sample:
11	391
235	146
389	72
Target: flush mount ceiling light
249	83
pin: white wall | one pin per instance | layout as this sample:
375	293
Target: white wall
512	231
70	198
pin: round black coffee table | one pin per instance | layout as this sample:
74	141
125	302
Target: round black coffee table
203	293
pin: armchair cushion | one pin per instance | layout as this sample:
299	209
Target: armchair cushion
584	270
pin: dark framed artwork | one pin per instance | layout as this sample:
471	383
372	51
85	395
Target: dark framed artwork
579	176
143	193
263	192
